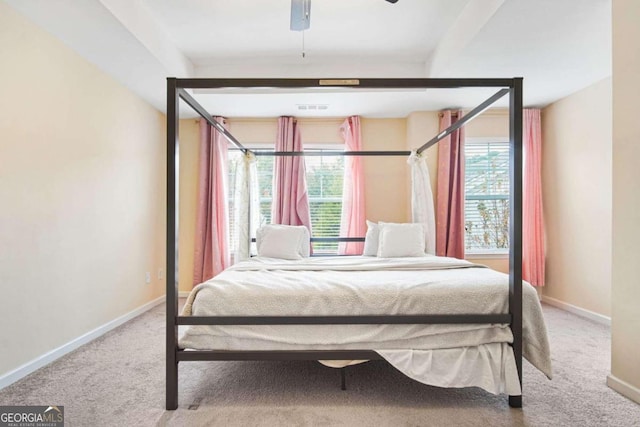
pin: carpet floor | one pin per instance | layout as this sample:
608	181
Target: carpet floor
118	380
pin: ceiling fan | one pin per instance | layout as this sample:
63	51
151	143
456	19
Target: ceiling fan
301	14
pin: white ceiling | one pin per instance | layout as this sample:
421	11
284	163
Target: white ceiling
558	46
210	31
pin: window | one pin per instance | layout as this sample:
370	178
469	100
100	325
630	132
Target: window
486	196
324	186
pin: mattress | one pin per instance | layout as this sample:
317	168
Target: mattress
324	286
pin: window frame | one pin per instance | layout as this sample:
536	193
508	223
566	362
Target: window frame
497	253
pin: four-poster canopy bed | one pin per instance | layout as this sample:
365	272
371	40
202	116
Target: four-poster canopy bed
177	89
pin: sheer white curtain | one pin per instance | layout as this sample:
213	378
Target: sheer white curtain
247	205
422	208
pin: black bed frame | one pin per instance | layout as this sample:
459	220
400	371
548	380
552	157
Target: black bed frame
177	89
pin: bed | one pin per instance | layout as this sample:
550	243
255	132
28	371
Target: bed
459	355
453	338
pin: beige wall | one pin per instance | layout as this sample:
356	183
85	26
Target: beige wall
82	193
491	123
188	138
386	178
576	168
264	130
625	321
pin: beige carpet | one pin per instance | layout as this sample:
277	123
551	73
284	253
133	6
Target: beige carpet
118	380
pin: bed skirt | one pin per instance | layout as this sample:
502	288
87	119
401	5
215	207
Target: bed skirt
491	367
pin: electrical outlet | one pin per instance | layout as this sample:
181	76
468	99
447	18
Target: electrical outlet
147	277
160	274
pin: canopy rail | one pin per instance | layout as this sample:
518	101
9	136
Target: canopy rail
409	319
464	119
199	355
394	83
186	97
330	153
329	239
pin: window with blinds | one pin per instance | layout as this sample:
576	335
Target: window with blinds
324	185
486	196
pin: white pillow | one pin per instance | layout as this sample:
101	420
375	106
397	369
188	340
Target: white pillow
400	240
371	240
283	241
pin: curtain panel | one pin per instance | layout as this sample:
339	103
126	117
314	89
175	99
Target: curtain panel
246	212
212	218
533	249
290	198
450	189
422	210
353	216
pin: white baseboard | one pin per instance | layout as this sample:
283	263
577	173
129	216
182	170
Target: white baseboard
37	363
624	388
183	294
591	315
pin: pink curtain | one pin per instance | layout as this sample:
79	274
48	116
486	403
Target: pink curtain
353	221
450	192
212	218
290	199
532	221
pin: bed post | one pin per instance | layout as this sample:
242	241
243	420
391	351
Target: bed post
515	230
172	246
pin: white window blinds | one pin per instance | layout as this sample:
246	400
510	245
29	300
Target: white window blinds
324	185
486	196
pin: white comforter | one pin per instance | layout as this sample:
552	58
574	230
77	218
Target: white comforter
362	286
